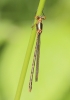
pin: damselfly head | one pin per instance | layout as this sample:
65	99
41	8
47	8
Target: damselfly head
40	18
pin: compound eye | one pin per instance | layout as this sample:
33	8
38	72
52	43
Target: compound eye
38	17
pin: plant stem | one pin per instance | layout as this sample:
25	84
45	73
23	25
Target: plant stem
28	54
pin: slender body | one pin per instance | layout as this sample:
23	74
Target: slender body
39	27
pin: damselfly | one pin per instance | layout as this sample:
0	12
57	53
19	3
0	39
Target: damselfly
39	27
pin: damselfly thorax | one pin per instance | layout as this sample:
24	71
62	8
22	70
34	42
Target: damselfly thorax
39	27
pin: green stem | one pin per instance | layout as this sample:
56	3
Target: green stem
28	54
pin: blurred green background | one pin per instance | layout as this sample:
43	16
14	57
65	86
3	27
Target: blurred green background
16	18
